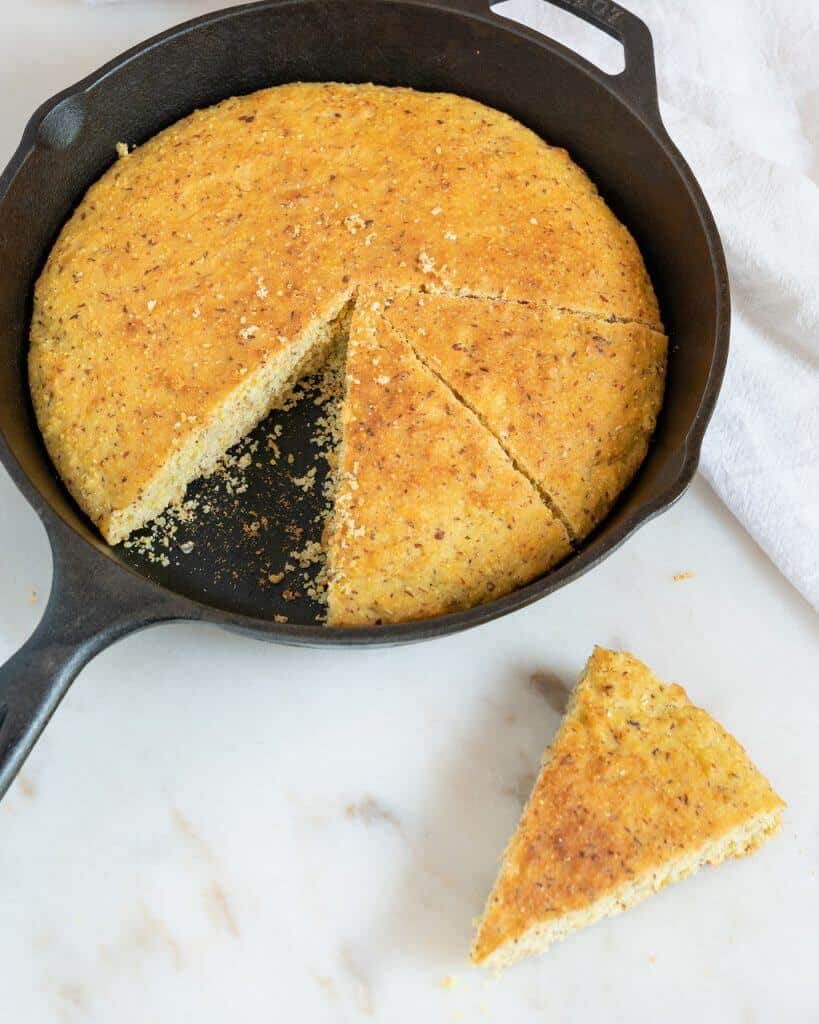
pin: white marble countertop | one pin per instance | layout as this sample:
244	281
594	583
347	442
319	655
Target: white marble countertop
215	829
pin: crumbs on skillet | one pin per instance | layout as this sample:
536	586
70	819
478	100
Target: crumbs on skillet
217	501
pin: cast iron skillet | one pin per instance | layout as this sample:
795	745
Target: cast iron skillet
610	125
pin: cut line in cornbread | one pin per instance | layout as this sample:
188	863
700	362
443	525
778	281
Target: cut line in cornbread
639	788
573	400
430	514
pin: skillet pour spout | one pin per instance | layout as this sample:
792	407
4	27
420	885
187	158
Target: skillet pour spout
611	126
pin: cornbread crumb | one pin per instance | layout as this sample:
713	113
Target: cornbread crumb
311	554
426	262
354	222
306	482
687	575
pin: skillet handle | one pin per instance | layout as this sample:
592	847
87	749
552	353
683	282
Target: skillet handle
92	603
637	83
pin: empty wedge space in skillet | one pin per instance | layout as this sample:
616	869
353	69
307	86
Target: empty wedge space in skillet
573	399
430	514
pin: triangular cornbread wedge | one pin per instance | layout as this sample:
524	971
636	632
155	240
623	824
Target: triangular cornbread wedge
430	514
573	400
640	788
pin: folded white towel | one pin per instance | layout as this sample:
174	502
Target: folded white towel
739	92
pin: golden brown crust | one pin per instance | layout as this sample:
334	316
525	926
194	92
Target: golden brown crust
573	399
209	251
636	777
430	514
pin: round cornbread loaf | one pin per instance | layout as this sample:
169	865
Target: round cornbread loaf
207	269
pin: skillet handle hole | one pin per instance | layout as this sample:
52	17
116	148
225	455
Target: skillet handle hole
594	45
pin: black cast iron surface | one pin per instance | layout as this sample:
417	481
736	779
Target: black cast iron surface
610	125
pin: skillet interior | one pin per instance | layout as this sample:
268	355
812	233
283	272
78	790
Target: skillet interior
416	44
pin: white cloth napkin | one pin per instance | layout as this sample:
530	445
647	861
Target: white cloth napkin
739	92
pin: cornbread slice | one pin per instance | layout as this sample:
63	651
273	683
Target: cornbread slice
199	272
640	788
430	514
573	400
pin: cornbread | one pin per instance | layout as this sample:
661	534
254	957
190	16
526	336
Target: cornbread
211	267
640	788
479	528
574	400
